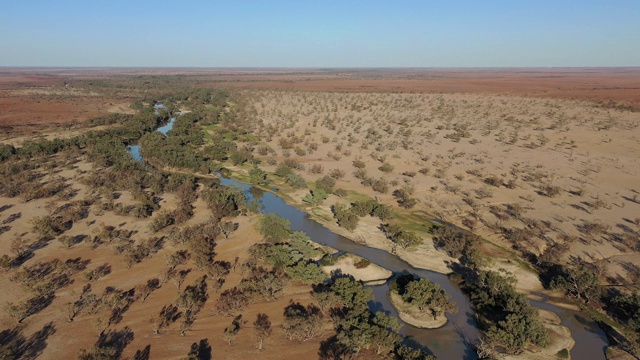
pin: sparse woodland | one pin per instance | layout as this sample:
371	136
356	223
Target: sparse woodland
132	256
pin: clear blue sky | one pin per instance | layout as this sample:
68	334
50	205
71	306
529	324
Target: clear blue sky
327	33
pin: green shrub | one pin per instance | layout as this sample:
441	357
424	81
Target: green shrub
362	263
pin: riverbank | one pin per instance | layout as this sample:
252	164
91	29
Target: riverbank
321	216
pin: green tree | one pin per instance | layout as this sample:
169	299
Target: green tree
345	217
326	183
315	197
274	228
309	273
258	177
428	296
581	281
296	181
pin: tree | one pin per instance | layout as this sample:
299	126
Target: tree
404	352
274	227
262	329
67	240
262	283
18	311
6	262
513	323
20	247
428	296
190	301
231	331
301	323
315	197
326	183
515	332
144	290
180	257
309	273
404	198
345	217
227	228
323	297
167	315
406	239
296	181
224	201
351	294
231	301
386	168
258	176
581	281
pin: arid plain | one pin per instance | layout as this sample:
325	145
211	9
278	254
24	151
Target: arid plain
542	164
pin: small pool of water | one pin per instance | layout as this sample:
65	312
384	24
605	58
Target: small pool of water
134	150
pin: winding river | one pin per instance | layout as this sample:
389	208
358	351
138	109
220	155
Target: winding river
455	339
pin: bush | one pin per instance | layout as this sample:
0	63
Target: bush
386	168
283	171
362	263
381	185
563	354
345	217
316	169
404	198
328	260
337	174
326	183
296	181
359	164
315	197
340	193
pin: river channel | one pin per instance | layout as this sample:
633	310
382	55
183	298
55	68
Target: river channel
452	341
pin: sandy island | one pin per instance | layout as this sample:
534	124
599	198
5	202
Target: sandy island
412	315
372	274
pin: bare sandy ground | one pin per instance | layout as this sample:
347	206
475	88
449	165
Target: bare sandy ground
587	154
68	338
372	274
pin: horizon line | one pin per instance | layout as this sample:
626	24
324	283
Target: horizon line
316	67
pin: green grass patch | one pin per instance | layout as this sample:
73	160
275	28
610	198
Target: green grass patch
322	214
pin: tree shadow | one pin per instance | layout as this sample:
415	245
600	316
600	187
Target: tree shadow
37	342
116	341
39	303
143	354
23	348
11	218
4	229
200	350
409	341
332	349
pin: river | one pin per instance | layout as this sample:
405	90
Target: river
455	339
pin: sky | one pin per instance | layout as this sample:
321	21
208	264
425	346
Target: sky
299	33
